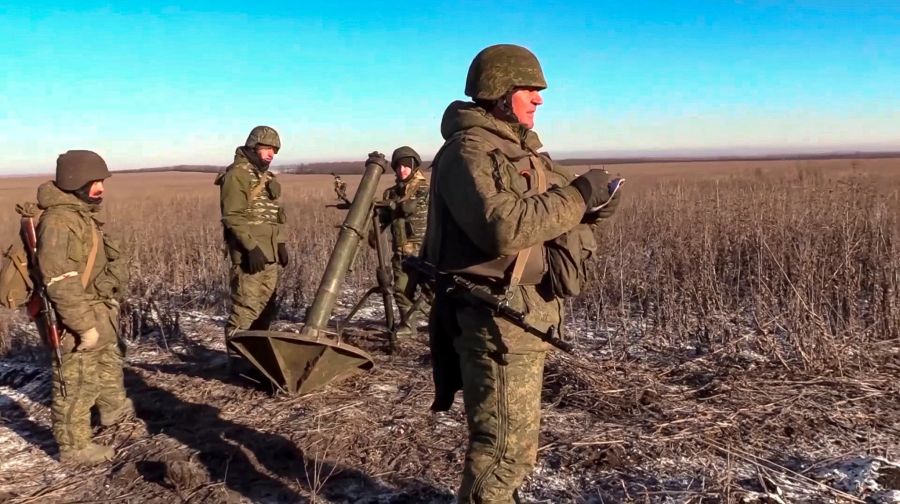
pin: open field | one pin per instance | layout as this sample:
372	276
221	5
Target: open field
740	337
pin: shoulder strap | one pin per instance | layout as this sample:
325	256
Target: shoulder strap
258	188
92	256
522	257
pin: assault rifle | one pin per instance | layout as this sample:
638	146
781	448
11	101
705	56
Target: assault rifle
40	309
476	295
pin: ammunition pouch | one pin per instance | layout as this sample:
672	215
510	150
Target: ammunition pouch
274	188
566	257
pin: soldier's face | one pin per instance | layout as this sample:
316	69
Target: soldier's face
266	154
524	103
96	190
403	172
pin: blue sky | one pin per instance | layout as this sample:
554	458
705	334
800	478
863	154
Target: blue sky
150	84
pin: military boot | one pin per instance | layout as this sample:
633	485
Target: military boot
405	330
126	409
408	327
92	454
235	363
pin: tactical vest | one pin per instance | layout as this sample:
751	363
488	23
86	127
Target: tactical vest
408	228
262	207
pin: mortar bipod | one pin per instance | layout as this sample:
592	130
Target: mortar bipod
384	281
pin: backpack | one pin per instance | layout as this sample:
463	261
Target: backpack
16	286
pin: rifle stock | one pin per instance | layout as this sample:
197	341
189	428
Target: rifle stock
39	308
478	295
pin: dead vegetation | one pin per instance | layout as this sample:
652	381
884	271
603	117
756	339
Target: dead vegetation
740	343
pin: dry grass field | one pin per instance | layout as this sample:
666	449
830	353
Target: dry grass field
739	338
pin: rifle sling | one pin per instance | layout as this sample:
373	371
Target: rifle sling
258	188
522	256
92	257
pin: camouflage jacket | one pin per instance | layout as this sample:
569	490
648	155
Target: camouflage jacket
64	244
252	213
408	217
485	205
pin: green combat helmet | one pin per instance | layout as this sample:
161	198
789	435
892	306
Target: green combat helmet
499	68
76	168
263	135
405	152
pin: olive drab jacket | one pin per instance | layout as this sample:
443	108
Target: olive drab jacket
252	213
409	215
66	233
486	207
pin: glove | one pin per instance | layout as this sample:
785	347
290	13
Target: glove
378	158
88	339
282	255
256	261
594	188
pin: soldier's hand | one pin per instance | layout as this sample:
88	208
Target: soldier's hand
607	209
282	255
88	339
594	188
408	207
378	158
256	260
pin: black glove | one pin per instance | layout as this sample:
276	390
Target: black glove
282	255
594	188
255	261
378	158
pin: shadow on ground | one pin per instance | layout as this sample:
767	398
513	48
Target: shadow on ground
260	466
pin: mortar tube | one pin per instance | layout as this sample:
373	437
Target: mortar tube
352	231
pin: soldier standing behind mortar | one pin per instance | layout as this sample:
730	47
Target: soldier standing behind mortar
83	271
340	189
253	218
406	217
508	218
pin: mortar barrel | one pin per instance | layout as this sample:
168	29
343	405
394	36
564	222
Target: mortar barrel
352	231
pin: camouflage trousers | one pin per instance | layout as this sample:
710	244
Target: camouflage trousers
405	295
502	396
253	304
92	378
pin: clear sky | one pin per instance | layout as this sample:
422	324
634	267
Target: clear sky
150	84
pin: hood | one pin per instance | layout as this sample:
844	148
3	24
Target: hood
247	155
462	115
48	196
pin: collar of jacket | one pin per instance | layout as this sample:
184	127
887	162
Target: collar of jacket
517	141
413	181
49	196
248	156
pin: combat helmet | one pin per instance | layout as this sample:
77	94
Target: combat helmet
76	168
263	135
499	68
405	152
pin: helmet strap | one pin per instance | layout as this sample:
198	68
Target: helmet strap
501	108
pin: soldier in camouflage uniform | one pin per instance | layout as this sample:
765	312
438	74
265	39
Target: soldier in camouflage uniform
340	188
253	218
84	271
507	217
406	217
